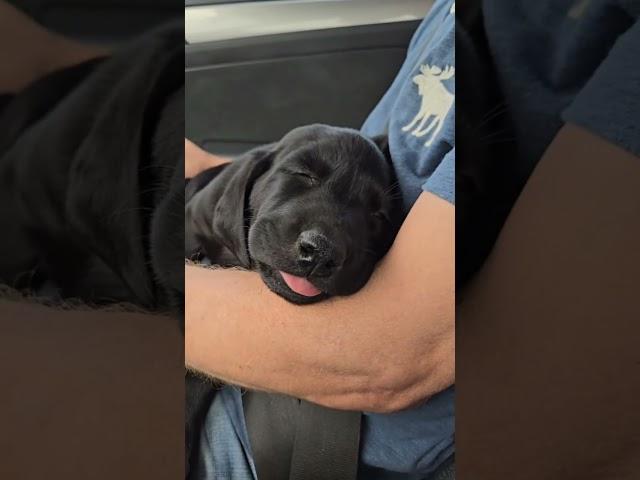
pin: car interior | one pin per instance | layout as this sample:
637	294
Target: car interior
248	90
108	22
254	71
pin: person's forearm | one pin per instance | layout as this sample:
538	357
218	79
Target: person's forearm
29	51
548	333
197	159
387	347
82	388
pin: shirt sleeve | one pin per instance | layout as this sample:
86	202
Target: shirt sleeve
609	104
443	180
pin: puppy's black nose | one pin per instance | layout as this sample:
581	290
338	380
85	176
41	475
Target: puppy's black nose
316	254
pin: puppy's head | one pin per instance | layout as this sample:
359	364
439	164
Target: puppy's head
322	214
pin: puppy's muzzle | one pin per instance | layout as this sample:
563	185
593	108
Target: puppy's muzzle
318	256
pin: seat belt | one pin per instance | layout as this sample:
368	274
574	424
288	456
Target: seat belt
297	440
326	444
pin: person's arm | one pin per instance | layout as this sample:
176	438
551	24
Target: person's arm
29	51
384	348
89	393
547	337
196	159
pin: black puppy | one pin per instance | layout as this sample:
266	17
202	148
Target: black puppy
485	176
312	213
91	179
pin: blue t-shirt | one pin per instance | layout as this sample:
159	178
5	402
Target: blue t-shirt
418	115
418	110
567	61
558	61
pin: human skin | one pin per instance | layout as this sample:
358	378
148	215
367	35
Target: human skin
89	393
29	51
385	348
198	159
547	338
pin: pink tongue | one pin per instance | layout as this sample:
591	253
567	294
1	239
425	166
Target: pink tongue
300	285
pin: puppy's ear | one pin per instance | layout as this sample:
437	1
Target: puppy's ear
105	206
382	142
230	216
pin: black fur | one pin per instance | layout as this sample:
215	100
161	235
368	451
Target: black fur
92	193
328	185
485	186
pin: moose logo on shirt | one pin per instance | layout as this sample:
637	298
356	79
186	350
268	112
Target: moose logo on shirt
436	102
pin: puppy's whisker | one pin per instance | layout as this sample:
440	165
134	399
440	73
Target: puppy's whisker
394	186
495	132
155	188
497	106
491	115
393	196
500	136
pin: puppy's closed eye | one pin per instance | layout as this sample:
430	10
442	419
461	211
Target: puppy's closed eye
381	216
305	176
377	211
320	213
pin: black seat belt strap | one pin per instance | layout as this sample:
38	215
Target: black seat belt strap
326	444
297	440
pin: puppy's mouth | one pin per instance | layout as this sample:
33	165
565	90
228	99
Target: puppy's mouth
295	289
300	285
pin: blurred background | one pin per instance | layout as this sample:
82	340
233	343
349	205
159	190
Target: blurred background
109	22
256	69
